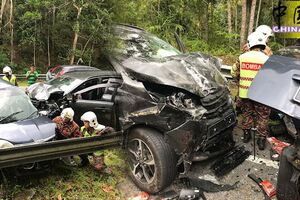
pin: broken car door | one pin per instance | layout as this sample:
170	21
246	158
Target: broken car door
101	102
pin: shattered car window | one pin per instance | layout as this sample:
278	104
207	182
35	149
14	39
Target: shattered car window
15	106
64	83
144	45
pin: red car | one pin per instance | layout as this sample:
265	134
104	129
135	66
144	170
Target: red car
63	69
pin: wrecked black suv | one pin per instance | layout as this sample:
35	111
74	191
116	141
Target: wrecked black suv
172	108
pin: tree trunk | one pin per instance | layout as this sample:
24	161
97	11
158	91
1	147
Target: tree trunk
243	24
91	56
252	15
52	32
34	45
75	34
229	16
236	18
3	4
258	13
48	46
11	32
206	23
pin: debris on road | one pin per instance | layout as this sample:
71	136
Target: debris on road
208	186
277	147
267	162
266	186
230	161
169	195
184	194
140	196
191	194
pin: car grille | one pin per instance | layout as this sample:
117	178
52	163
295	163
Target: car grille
216	103
35	102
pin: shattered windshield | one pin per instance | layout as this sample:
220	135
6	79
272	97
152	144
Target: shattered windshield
64	83
144	45
15	106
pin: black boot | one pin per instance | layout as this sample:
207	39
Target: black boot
247	135
261	142
84	160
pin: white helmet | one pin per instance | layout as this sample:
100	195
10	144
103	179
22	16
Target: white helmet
7	69
266	30
92	119
256	38
67	113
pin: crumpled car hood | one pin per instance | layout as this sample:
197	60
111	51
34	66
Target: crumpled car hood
276	85
195	72
40	129
41	91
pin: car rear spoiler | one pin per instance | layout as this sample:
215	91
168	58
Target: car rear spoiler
19	155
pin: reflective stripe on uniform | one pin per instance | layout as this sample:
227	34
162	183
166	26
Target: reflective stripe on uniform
250	63
244	87
246	79
85	132
12	80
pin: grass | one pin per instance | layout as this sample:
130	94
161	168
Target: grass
22	83
73	182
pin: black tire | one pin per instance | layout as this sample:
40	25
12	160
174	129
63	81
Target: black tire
156	150
286	189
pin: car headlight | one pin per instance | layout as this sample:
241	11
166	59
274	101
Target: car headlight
188	103
5	144
181	100
44	112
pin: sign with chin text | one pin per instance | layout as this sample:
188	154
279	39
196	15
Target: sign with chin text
286	14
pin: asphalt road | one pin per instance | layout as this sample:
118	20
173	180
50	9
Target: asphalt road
245	188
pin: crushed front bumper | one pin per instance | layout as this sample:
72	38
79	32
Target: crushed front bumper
200	140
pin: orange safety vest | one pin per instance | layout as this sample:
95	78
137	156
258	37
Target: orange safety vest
250	64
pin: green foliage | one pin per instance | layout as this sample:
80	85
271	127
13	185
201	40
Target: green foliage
202	25
275	46
73	183
3	59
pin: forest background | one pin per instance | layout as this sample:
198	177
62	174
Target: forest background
47	33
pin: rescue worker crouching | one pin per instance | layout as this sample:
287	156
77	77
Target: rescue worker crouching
244	71
8	76
93	128
67	128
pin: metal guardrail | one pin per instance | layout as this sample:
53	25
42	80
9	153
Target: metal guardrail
23	76
19	155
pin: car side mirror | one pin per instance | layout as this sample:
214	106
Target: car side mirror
74	97
71	98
